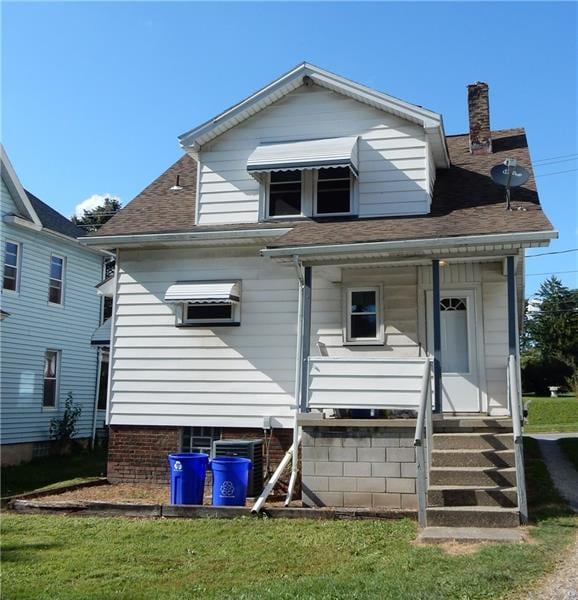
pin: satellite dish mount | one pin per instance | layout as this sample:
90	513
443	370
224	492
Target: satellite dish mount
510	175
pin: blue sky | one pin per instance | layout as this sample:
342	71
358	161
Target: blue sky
94	94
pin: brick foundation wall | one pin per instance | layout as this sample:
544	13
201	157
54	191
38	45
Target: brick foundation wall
139	454
358	467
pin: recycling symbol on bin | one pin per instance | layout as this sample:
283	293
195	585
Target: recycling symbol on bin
227	489
178	466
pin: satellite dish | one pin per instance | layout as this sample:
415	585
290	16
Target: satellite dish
510	175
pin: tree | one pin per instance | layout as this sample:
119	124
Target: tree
95	218
550	339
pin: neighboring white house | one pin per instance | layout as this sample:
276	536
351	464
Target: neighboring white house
50	311
289	262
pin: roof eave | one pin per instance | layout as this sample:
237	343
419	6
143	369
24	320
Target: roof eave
430	244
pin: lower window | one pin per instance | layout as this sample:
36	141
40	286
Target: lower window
200	439
364	323
51	368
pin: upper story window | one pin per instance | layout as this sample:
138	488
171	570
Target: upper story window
285	193
51	368
333	191
364	316
56	281
11	279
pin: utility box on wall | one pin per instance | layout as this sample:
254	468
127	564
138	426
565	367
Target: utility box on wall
251	449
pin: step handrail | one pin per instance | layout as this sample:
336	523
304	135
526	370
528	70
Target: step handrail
423	442
515	401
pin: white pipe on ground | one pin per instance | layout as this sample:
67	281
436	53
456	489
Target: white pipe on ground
274	478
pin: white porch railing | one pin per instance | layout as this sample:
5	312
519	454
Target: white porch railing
516	409
423	442
379	383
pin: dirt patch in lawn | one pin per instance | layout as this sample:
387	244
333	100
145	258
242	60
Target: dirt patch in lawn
118	492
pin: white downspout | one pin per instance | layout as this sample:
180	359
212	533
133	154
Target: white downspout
96	395
298	361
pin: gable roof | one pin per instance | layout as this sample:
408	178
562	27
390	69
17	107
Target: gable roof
53	220
432	122
465	202
16	190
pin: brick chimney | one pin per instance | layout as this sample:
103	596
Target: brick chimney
479	116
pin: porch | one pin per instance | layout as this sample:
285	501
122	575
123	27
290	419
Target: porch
446	432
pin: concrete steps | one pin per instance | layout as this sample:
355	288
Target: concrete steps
473	516
473	458
472	480
472	495
473	441
482	476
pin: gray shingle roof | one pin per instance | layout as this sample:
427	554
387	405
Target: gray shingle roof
465	202
52	219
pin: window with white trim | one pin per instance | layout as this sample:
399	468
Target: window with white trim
51	372
311	192
56	280
285	194
209	313
364	316
333	192
11	281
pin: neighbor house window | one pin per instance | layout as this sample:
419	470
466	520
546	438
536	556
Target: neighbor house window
56	281
11	266
364	321
200	439
333	191
285	194
51	367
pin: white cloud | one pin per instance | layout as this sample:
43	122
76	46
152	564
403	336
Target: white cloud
90	203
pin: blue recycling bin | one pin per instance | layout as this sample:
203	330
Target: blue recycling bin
230	480
188	471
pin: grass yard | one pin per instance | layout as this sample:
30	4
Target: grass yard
53	471
72	558
546	415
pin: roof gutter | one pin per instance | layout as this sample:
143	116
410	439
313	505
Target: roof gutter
107	241
418	244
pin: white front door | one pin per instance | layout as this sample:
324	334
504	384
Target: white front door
459	360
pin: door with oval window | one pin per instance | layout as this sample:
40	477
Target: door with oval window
460	377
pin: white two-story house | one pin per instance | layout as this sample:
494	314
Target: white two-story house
49	313
320	247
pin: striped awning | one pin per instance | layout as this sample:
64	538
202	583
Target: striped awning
204	292
309	154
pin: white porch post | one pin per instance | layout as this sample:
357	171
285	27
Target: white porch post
437	336
305	338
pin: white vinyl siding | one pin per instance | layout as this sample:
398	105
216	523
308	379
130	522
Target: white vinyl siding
393	154
34	326
222	376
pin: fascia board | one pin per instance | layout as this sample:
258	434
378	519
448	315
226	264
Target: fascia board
417	244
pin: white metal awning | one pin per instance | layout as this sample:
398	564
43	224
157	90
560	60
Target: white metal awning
204	292
101	335
309	154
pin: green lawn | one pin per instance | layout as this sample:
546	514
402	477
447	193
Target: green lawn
570	448
551	414
53	471
73	558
